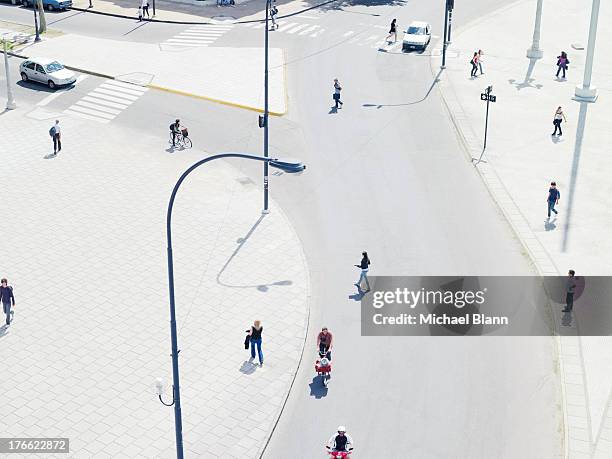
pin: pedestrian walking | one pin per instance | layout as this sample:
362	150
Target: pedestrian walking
553	198
570	289
145	8
474	62
364	265
140	13
562	63
56	134
7	298
273	13
559	117
392	31
324	342
337	89
90	4
255	339
480	53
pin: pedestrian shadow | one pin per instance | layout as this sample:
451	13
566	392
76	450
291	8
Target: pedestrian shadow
528	80
359	295
556	138
4	330
50	156
333	111
566	319
422	99
550	225
317	389
241	242
247	368
560	80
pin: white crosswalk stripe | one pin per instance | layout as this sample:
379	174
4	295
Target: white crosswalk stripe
199	35
107	101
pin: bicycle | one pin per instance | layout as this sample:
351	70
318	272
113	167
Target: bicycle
181	140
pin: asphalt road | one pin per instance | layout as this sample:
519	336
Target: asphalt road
385	174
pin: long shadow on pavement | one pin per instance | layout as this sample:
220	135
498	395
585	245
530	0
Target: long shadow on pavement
241	242
422	99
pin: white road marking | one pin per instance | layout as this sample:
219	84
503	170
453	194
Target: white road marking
83	103
58	93
87	117
104	102
101	90
134	92
317	33
199	35
299	27
87	111
309	29
309	17
348	34
286	26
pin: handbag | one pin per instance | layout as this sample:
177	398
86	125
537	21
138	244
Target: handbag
247	340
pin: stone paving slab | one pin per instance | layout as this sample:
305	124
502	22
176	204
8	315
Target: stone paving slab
522	158
85	251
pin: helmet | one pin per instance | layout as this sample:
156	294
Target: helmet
342	429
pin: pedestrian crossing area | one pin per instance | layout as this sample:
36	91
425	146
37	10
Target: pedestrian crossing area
107	101
198	35
309	30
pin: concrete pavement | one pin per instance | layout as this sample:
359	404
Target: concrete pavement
523	158
84	248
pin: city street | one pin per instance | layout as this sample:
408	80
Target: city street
389	173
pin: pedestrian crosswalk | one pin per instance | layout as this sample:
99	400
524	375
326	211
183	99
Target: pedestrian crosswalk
199	35
107	101
309	30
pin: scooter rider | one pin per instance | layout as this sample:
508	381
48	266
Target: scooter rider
340	441
324	342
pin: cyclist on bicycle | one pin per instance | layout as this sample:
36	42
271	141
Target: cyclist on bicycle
177	128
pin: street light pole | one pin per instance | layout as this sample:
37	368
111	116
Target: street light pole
450	5
266	114
10	101
287	166
535	52
445	43
586	93
34	4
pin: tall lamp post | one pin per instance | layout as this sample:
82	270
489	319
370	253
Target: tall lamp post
266	112
586	92
10	100
287	166
445	42
34	5
535	52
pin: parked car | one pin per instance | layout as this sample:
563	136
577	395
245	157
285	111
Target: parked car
51	4
417	36
47	71
14	2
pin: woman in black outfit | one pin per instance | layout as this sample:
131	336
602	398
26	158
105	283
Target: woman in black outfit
255	336
365	266
392	31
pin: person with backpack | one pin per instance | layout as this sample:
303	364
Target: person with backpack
254	334
336	96
176	128
562	63
7	297
273	13
553	198
392	32
56	135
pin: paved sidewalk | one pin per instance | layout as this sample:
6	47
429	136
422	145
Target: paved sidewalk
234	76
85	249
196	10
523	158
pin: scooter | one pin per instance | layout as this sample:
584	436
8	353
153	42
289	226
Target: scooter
323	368
339	454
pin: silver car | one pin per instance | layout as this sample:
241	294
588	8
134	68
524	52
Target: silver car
46	71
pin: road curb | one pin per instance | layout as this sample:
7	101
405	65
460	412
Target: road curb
538	255
212	99
164	21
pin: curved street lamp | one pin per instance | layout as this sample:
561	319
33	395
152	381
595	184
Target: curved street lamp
289	166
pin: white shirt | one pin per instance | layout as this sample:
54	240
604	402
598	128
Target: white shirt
145	3
57	128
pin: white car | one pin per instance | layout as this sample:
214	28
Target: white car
47	71
417	36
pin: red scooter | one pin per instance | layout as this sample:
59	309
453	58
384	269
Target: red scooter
340	454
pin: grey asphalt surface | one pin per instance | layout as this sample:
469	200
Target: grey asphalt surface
385	174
